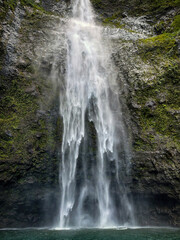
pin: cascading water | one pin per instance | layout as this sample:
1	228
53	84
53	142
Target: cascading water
92	189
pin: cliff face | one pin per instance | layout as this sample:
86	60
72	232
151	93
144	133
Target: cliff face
30	124
147	56
145	50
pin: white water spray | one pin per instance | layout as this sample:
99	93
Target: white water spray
92	189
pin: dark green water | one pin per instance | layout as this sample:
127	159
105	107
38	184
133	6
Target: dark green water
129	234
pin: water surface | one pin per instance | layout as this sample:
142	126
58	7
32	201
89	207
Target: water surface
93	234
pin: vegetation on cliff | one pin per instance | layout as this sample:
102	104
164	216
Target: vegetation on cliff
158	98
26	140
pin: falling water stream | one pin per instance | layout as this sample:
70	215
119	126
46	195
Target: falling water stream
93	193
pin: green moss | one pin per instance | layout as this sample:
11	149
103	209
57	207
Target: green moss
16	107
113	22
161	44
161	119
136	7
176	23
97	3
160	51
32	4
10	4
163	4
25	138
159	123
161	26
153	7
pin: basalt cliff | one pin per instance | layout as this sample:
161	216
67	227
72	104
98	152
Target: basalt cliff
145	50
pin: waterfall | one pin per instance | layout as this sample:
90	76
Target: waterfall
95	152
